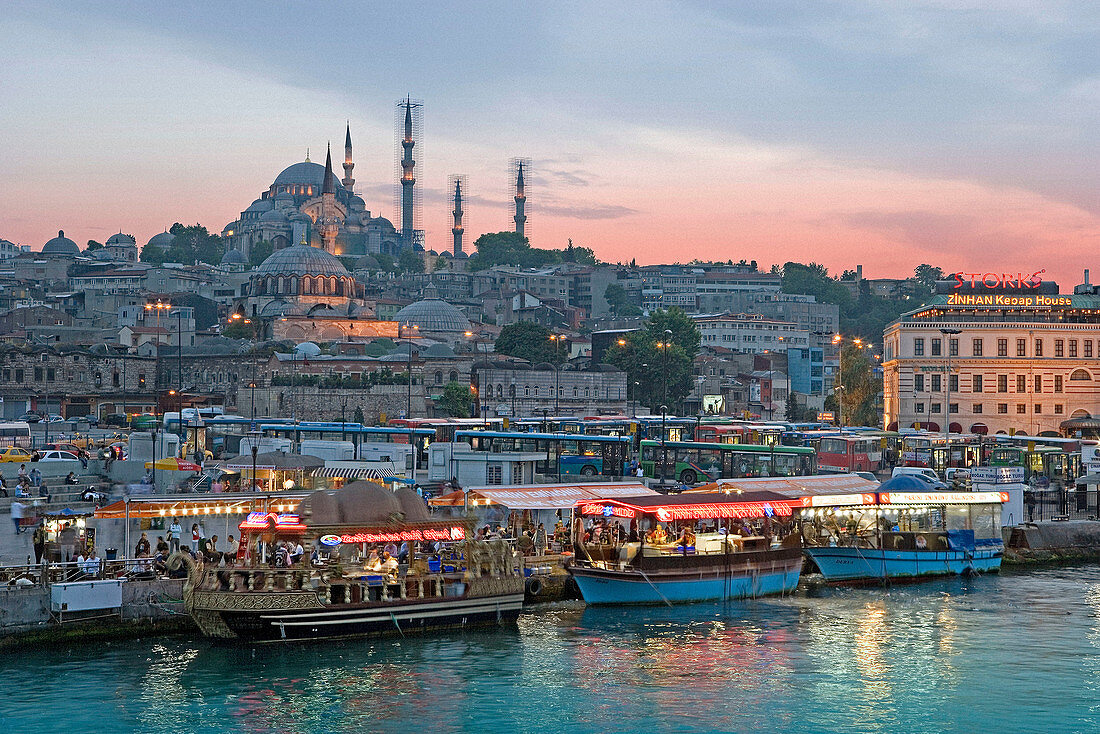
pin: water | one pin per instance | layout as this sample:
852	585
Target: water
999	653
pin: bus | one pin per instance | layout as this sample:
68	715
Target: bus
15	433
715	433
1040	462
849	453
566	454
691	461
370	443
445	428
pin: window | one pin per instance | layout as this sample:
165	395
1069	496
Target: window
1002	383
1021	408
953	347
937	347
38	374
1021	383
954	407
1057	383
1088	347
1002	408
1002	347
936	383
1038	347
1038	383
1021	347
918	347
1058	409
1080	376
977	383
1073	347
953	383
977	409
1038	408
517	473
976	347
1059	348
493	474
526	391
18	375
918	407
51	374
918	383
935	408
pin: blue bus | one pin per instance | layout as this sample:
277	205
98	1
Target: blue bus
567	454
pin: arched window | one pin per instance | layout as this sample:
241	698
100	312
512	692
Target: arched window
526	391
511	391
454	376
536	391
575	390
1080	376
439	377
500	391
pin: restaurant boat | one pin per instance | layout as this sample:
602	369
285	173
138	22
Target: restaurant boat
903	531
450	581
644	550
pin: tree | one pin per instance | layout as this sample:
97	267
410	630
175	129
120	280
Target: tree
152	254
260	251
386	262
860	389
455	400
579	255
926	276
658	366
93	246
410	261
239	329
530	341
509	248
359	417
685	334
192	244
440	263
619	302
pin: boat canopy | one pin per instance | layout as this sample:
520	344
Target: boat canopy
540	496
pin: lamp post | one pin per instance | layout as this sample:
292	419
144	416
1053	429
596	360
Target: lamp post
410	328
179	368
664	447
947	390
255	451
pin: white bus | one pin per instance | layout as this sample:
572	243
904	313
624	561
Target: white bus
15	433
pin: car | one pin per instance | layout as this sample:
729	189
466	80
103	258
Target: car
91	420
15	455
58	456
30	418
72	448
115	420
920	471
55	418
866	475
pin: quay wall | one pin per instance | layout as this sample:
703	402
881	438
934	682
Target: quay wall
1052	541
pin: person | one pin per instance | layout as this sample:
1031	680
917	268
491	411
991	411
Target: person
373	562
540	540
282	556
92	565
70	479
389	565
3	485
44	491
83	456
217	487
22	472
315	555
162	545
638	472
36	477
298	554
686	539
196	536
66	541
143	547
160	562
231	550
17	509
175	533
39	541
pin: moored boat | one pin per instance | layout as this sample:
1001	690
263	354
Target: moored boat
645	550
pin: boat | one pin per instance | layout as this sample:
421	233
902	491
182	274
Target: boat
450	581
903	531
627	557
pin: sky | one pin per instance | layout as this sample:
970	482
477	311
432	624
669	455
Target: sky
883	134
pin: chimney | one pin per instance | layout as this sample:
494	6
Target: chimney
859	273
1086	276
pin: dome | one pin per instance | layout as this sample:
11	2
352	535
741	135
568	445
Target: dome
412	505
274	216
234	257
433	314
123	239
360	503
309	349
367	262
163	240
302	260
356	203
260	205
60	245
284	196
306	173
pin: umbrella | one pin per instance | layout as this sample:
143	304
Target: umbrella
171	464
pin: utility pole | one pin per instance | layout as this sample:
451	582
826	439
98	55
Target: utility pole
948	333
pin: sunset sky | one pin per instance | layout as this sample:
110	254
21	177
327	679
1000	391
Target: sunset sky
877	133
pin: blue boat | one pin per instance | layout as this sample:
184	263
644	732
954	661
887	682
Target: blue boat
852	564
731	561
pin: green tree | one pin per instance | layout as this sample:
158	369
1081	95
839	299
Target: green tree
93	246
455	400
193	243
658	365
685	334
440	263
580	255
359	417
386	262
926	276
530	341
619	302
859	389
152	254
260	251
239	329
410	261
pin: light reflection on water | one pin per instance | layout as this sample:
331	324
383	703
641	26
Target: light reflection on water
951	656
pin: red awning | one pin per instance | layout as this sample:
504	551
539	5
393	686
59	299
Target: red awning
979	428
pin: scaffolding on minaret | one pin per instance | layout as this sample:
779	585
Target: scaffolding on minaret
521	174
408	132
458	190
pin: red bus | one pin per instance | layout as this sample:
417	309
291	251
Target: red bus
849	453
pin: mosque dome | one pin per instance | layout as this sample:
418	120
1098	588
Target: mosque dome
302	260
60	245
260	205
283	196
433	314
121	239
367	262
306	173
233	257
309	349
163	240
356	203
275	216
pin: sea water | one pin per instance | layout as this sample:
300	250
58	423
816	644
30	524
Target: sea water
1018	652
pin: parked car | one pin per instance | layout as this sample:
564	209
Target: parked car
55	418
30	418
70	447
920	471
15	455
115	420
91	420
58	456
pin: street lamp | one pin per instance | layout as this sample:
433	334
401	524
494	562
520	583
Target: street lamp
410	329
255	450
179	368
664	447
947	405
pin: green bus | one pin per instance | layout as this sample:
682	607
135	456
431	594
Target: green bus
693	461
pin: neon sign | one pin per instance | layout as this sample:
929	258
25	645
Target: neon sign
428	535
330	540
942	498
607	510
957	299
999	280
723	510
271	521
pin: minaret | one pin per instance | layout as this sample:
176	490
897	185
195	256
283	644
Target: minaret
348	181
328	223
521	200
457	229
408	180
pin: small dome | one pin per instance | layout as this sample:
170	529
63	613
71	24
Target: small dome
412	505
260	205
60	245
301	260
163	240
356	203
309	349
122	239
234	257
274	216
433	314
273	309
367	262
284	197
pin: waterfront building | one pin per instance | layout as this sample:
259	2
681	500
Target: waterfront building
999	359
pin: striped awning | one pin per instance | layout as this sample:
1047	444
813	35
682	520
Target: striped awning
357	473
